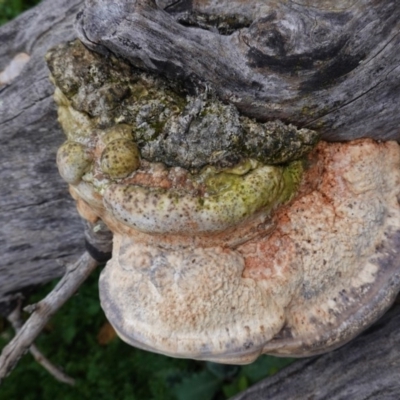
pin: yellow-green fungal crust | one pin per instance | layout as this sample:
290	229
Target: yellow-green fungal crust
235	199
292	175
76	125
120	158
73	161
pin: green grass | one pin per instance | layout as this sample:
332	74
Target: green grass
9	9
114	370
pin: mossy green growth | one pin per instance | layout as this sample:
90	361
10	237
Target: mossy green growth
238	197
222	182
292	175
229	200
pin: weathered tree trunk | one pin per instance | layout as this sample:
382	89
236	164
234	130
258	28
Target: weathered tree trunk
334	67
40	229
366	368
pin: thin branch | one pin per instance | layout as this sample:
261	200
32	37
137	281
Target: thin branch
15	320
50	367
74	276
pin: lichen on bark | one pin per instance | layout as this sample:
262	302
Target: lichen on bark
168	124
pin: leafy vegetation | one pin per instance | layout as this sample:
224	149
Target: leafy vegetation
80	339
9	9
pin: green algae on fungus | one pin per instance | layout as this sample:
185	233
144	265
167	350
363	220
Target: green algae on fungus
171	211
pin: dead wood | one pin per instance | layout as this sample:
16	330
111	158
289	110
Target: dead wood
332	66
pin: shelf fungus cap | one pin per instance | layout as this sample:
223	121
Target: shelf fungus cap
232	237
329	268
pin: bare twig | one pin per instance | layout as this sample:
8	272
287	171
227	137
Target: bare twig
74	276
50	367
15	320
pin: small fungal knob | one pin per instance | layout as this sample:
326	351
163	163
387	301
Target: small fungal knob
120	158
121	131
73	161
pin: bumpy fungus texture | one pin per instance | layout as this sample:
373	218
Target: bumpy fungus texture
232	238
167	124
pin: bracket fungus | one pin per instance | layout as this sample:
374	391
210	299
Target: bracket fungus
232	238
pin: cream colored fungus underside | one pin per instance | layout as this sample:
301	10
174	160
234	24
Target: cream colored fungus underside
226	303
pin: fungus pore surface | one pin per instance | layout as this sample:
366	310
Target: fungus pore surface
232	238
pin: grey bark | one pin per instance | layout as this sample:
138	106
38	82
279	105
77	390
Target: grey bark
366	368
40	229
335	70
332	66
